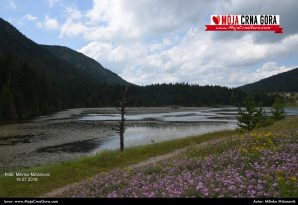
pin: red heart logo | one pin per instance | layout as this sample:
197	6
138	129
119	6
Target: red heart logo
216	19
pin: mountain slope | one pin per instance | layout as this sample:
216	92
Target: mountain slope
37	79
283	82
85	64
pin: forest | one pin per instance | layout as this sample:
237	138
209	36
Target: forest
26	93
39	79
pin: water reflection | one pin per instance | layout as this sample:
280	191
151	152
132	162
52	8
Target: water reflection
173	125
192	116
81	146
140	135
199	115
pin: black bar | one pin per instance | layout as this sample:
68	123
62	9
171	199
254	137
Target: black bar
152	201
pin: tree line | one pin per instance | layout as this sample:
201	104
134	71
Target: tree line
26	92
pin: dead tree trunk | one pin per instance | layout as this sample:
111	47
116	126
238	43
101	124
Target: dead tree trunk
121	126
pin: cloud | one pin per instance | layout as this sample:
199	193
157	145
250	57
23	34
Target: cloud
286	9
269	69
48	23
52	3
73	13
195	59
29	17
156	41
72	29
110	54
266	70
129	19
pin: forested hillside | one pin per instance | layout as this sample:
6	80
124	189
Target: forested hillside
38	79
284	82
87	65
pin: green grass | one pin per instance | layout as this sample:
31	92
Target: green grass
285	124
74	171
288	123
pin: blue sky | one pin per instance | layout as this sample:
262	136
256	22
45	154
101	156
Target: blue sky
156	41
15	11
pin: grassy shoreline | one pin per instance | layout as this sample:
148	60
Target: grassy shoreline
76	170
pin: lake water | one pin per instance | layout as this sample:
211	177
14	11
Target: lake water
200	115
49	141
174	125
140	135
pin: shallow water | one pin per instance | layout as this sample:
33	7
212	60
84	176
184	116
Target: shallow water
140	135
176	125
199	115
156	127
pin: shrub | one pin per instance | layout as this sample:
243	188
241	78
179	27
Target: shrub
278	109
250	116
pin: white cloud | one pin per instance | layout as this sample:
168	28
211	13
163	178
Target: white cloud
286	9
196	59
269	69
129	19
50	23
73	13
72	29
52	3
156	41
29	17
160	46
266	70
110	54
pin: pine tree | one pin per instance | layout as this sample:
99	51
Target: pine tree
278	109
250	116
7	104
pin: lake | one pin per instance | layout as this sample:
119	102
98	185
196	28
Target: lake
78	132
176	125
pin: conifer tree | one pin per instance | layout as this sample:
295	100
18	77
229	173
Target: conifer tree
249	116
278	109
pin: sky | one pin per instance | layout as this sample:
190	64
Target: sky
163	41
